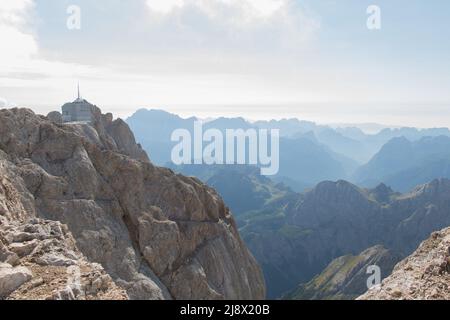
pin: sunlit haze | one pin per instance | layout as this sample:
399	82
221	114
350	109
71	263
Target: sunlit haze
310	59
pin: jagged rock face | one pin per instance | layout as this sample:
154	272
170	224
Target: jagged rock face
346	277
425	275
297	240
45	264
39	258
159	235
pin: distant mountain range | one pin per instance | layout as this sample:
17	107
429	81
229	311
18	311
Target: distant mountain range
294	238
309	153
403	164
153	129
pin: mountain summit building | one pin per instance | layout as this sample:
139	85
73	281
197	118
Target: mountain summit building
78	111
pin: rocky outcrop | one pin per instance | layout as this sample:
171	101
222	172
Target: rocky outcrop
347	277
39	259
424	275
44	263
242	187
55	117
157	234
12	278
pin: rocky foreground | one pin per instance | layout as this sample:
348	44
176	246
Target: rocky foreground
425	275
41	261
85	215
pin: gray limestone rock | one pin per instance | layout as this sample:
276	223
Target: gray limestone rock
157	234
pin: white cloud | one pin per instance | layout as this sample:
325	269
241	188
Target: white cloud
220	41
267	6
258	8
239	26
12	10
164	6
247	8
21	67
166	52
15	42
20	48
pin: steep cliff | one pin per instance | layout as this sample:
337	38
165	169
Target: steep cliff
157	234
39	258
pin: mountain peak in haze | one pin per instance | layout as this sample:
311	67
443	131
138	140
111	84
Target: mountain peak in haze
403	164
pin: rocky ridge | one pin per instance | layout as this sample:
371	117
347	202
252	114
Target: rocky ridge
158	235
424	275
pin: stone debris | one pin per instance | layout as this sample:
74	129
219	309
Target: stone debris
49	265
12	278
424	275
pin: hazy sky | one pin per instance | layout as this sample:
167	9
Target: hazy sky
313	59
